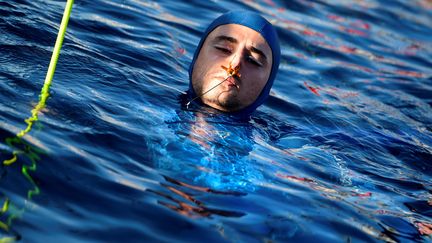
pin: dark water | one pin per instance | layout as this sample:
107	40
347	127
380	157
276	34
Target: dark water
342	151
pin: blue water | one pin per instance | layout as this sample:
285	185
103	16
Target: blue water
341	152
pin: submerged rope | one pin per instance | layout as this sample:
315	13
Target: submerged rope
32	155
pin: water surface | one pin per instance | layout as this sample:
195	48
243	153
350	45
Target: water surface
341	151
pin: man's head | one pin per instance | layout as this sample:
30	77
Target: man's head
239	39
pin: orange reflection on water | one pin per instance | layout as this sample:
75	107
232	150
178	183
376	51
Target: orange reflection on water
314	90
332	91
410	73
424	228
354	26
201	132
355	67
359	52
182	200
352	31
331	193
425	4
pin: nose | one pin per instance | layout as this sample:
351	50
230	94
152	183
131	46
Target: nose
236	59
234	68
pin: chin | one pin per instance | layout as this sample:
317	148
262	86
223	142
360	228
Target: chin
230	105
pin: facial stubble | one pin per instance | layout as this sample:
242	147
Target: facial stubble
227	99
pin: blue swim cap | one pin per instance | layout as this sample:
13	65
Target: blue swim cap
262	26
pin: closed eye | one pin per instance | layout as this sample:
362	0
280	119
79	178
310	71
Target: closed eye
252	60
223	49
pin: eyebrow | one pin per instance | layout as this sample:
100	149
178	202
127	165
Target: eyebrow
226	38
235	41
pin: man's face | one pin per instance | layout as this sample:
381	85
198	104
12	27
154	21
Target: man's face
234	45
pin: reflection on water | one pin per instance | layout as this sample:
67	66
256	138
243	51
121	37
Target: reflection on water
14	209
29	155
182	200
214	150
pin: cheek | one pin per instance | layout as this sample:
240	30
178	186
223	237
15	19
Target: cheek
199	69
202	73
255	84
204	65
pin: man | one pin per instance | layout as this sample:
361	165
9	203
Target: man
235	63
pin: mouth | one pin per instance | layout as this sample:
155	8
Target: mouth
232	82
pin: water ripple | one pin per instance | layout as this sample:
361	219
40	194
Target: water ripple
340	151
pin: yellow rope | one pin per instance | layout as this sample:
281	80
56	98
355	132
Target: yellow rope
32	119
51	69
